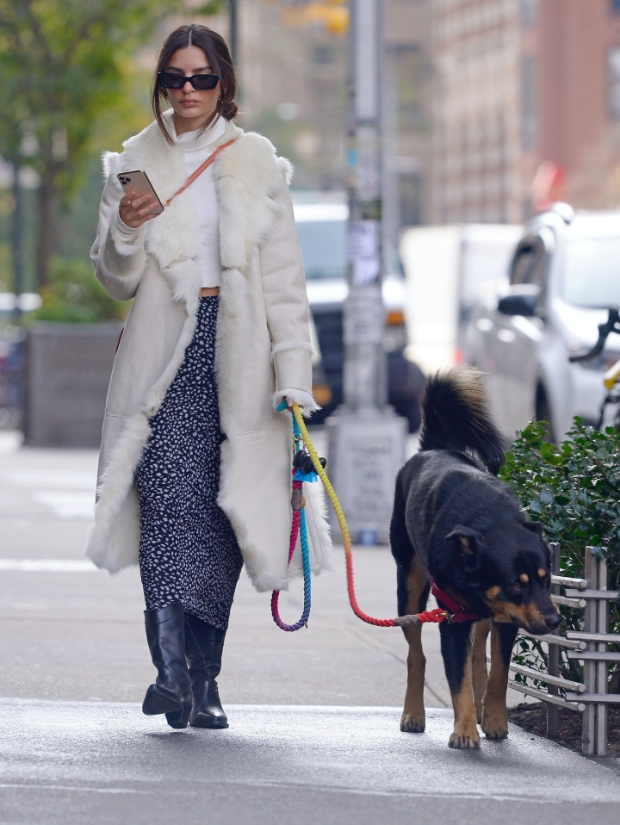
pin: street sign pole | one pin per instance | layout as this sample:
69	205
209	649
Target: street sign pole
366	438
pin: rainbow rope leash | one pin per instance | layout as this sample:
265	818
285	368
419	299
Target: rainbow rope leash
300	432
298	527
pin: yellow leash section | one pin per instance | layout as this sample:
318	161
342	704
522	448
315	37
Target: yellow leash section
346	538
323	476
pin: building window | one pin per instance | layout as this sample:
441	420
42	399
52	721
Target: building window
412	72
613	70
529	113
529	13
614	6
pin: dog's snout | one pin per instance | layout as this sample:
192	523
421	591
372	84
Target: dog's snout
553	620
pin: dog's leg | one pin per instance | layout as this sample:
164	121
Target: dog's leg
456	652
479	663
494	719
413	719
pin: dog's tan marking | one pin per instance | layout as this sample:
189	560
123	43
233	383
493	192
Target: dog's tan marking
465	734
524	578
413	719
494	720
542	572
479	663
492	593
465	545
524	615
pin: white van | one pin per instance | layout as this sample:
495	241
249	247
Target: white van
446	270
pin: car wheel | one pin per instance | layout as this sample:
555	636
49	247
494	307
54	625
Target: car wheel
543	413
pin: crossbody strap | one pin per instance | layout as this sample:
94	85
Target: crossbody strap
196	173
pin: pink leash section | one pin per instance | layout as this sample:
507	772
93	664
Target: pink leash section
296	524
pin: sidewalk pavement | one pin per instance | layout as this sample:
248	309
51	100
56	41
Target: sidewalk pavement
73	632
314	715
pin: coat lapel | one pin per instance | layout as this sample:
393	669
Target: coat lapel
247	175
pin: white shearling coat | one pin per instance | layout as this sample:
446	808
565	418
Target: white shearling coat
263	347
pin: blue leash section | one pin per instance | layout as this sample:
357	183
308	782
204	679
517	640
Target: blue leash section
305	552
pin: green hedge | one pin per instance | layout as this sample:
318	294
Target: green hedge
573	490
74	295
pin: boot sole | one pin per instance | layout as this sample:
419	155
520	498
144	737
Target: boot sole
213	724
158	701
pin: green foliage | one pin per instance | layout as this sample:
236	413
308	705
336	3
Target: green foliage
573	490
74	295
63	64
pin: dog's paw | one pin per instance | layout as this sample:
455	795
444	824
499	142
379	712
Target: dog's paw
496	734
494	723
464	741
412	724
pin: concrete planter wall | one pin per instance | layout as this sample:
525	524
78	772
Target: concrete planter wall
67	369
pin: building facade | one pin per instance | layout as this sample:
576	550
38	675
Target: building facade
526	107
293	64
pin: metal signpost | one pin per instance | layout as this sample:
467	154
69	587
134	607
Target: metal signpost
366	438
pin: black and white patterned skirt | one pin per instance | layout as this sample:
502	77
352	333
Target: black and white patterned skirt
188	551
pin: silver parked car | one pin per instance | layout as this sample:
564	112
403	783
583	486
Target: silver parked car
564	273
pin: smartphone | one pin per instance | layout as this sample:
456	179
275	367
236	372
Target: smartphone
142	186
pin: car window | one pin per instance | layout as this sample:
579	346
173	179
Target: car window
323	248
529	265
591	276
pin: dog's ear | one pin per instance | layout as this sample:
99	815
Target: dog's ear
534	527
468	543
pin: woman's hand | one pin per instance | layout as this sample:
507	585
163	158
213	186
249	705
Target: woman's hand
135	211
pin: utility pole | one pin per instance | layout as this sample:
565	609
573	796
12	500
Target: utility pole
366	438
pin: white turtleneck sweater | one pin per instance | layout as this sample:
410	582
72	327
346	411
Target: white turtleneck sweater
196	148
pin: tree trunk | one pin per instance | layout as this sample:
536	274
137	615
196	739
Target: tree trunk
46	240
17	234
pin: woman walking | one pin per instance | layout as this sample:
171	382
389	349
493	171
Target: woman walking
194	472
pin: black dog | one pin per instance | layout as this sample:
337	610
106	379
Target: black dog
455	524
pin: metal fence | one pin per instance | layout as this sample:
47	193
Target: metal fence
590	697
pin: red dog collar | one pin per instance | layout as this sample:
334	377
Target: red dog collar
458	611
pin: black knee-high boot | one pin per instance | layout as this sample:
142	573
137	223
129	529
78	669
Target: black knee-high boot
203	646
171	694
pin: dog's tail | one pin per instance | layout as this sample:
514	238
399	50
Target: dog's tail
455	417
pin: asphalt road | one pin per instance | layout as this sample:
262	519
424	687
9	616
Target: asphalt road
314	732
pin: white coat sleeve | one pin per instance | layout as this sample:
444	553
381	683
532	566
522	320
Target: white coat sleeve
118	253
286	308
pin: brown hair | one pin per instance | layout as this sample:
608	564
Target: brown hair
216	50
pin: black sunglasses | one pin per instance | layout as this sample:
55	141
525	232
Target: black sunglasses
200	82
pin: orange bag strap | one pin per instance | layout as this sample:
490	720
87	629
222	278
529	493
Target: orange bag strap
200	170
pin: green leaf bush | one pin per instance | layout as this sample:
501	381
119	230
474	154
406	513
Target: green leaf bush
74	295
573	490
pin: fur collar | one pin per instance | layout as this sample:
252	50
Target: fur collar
247	174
